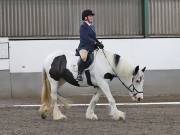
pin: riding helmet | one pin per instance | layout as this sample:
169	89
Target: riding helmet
86	13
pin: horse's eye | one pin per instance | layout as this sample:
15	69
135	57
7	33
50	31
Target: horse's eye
137	81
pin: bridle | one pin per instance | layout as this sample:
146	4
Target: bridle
133	90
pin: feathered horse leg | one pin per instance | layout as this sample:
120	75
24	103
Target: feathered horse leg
57	114
90	110
115	113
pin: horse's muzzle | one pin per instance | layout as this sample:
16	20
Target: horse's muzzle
138	97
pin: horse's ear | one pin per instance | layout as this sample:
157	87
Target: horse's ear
136	70
144	69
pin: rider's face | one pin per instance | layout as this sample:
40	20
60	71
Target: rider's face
89	18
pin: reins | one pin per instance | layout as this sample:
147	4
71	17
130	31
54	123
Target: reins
128	88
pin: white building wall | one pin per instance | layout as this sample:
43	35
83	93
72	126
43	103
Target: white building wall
4	64
156	54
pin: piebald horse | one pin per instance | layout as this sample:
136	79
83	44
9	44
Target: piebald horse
59	68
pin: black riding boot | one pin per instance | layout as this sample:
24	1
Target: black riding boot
81	67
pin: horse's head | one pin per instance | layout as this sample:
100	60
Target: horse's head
136	87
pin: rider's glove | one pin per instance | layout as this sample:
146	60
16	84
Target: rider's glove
99	45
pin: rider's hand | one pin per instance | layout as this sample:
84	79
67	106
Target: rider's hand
99	45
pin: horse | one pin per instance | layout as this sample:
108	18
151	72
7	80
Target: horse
61	67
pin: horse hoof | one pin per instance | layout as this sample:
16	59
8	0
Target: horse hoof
119	115
43	116
123	117
62	117
92	117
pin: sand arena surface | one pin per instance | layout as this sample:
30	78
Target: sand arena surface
140	120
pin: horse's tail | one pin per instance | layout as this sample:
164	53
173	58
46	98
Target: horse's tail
46	89
45	95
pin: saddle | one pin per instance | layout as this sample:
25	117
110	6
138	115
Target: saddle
89	61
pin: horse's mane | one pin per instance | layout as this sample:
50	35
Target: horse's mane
123	68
